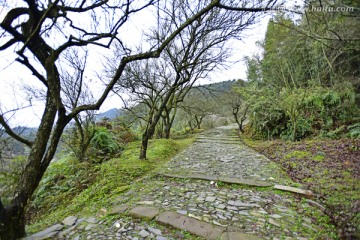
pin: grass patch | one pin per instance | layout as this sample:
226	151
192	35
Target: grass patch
330	169
82	189
297	155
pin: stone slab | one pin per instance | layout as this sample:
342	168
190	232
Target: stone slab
194	226
219	139
191	176
118	209
248	182
316	204
238	236
305	193
216	141
144	212
47	233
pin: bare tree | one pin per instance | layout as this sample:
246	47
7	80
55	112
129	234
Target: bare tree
194	53
76	93
239	111
38	33
196	106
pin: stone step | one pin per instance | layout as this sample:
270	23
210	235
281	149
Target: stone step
48	233
148	213
302	192
194	226
217	141
249	182
223	138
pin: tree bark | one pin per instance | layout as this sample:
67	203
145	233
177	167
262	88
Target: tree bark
167	131
143	150
198	121
12	217
144	145
12	222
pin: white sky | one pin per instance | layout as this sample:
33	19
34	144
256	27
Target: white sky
12	76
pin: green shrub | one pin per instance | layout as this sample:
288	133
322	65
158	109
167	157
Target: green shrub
10	174
354	130
104	143
294	114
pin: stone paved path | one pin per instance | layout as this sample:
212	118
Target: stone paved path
206	208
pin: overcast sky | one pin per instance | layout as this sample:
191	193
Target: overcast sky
13	75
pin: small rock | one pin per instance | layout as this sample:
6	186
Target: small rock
69	221
245	205
182	212
219	224
210	199
154	230
221	217
276	216
143	233
256	214
89	226
273	222
118	209
221	206
145	203
161	238
102	212
91	220
307	220
194	216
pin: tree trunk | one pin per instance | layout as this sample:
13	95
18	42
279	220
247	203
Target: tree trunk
170	122
191	126
198	122
12	222
167	131
144	145
12	217
149	132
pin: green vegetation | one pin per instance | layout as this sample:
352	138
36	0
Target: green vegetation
9	175
329	168
80	188
303	86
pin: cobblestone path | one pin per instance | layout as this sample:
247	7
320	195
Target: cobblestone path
190	188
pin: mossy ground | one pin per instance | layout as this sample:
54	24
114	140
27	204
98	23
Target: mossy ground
329	168
82	189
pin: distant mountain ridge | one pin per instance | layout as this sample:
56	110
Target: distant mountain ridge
110	114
